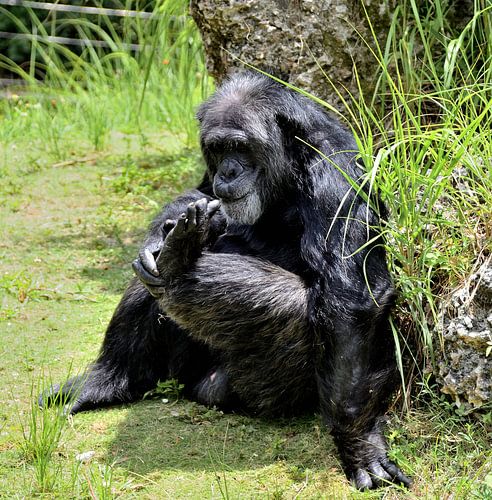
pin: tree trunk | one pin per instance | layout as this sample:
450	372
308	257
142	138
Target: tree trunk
305	42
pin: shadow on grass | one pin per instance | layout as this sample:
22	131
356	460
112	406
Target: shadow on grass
98	260
187	436
93	222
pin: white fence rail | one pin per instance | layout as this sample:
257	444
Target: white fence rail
79	42
76	8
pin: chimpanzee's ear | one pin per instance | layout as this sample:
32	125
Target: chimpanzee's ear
298	119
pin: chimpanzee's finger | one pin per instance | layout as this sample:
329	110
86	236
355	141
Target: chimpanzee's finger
396	474
191	215
201	212
212	207
148	261
181	224
144	275
169	224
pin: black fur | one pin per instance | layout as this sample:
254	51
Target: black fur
277	302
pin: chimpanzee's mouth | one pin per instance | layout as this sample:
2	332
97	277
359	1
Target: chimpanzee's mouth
228	200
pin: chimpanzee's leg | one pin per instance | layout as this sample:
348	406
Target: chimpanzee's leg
141	346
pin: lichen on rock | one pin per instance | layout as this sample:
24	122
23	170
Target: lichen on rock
465	364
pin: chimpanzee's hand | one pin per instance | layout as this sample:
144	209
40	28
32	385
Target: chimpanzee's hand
181	243
152	246
192	230
366	462
145	266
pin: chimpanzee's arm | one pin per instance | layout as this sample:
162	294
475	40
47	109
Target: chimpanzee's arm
219	295
356	377
224	295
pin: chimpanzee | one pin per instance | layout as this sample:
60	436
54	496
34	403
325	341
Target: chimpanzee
266	288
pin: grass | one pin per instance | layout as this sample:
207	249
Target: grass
85	161
94	98
425	139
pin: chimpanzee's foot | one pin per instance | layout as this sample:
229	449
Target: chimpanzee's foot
62	394
366	462
213	389
86	392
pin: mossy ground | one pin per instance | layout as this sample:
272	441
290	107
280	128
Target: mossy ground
69	232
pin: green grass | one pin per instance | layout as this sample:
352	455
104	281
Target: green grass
94	99
88	157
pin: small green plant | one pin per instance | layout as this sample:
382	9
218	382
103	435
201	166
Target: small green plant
221	480
20	285
298	473
169	389
97	121
277	448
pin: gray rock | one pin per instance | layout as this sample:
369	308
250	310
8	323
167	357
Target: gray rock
85	457
465	370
